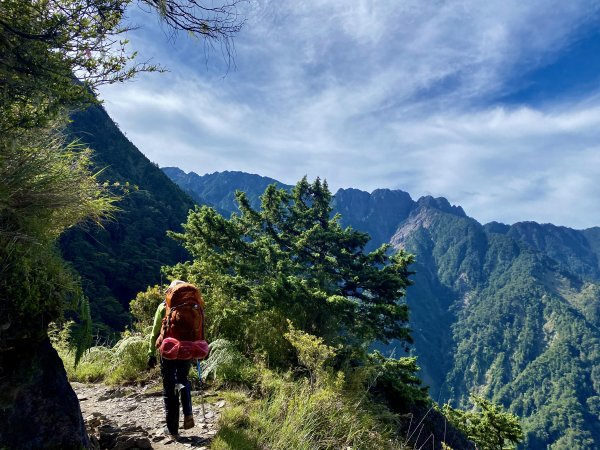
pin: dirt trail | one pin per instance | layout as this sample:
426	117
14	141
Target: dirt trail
120	418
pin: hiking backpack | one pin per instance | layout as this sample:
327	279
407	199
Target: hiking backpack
182	332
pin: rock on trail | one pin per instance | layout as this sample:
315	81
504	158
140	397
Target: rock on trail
120	418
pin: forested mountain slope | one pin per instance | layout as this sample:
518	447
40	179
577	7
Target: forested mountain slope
124	257
510	312
218	189
508	325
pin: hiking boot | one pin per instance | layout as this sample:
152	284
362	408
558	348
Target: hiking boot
168	433
188	422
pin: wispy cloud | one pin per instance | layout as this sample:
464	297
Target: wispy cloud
381	94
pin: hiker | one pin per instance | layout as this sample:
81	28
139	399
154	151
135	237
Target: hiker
178	336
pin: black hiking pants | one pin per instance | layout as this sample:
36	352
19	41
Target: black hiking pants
175	385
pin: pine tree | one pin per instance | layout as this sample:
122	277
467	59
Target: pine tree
291	259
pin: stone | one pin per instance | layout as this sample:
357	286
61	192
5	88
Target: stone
221	404
93	421
37	400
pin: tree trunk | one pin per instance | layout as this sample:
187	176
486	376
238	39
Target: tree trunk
38	407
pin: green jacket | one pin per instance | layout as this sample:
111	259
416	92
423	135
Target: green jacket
156	326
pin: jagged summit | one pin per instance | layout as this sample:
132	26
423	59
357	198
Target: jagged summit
442	204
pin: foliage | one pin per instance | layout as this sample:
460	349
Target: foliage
489	426
46	187
54	54
312	352
228	365
300	415
143	307
293	261
286	286
46	43
82	334
124	362
395	379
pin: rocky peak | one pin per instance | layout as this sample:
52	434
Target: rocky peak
378	213
442	204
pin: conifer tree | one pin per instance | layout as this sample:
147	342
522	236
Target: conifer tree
291	259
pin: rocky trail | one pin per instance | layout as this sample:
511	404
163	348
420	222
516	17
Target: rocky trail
120	418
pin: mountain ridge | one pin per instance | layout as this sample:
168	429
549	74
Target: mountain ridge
508	311
124	255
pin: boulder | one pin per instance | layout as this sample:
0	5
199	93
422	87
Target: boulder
38	407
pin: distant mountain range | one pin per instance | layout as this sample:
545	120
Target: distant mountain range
508	311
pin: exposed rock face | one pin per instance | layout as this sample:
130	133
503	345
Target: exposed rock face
38	407
377	213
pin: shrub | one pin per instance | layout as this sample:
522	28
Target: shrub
487	424
144	306
396	381
228	365
294	413
123	363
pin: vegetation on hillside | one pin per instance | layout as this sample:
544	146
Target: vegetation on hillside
125	255
292	261
519	329
293	306
495	295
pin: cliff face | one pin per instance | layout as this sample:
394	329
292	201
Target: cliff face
377	213
38	407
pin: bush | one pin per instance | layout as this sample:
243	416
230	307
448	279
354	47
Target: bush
143	307
129	359
395	380
123	363
228	365
487	424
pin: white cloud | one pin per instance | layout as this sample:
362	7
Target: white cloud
379	94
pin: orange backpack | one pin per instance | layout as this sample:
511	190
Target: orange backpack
184	319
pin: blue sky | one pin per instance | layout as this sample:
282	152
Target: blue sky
494	105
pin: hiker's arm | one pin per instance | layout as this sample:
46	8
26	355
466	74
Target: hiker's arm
158	317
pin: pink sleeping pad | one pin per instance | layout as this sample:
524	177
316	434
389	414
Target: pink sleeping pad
171	348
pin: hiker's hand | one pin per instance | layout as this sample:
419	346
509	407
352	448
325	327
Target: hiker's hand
151	362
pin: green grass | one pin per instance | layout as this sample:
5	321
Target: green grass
284	413
123	363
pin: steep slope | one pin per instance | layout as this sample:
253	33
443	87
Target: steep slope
377	213
218	189
509	327
572	249
125	256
